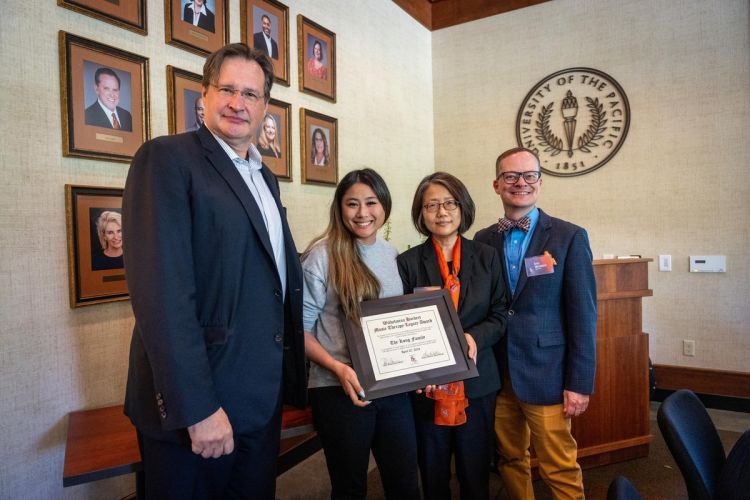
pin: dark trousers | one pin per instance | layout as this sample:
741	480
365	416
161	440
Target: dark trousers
173	471
472	443
348	433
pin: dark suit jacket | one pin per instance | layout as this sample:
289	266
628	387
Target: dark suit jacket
95	116
482	303
206	22
551	341
259	42
212	328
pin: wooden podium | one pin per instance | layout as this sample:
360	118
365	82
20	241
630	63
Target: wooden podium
616	425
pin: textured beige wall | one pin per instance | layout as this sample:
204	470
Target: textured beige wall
53	359
678	186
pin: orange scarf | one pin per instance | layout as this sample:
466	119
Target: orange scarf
450	401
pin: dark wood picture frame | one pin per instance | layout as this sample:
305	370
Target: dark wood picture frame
277	155
323	171
463	368
183	91
130	15
93	277
251	22
211	33
87	130
318	81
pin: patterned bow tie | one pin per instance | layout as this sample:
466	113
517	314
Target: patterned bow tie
505	224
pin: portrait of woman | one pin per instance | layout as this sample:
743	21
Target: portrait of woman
109	232
457	419
346	264
319	148
268	137
315	65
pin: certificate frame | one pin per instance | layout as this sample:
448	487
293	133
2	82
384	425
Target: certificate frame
463	368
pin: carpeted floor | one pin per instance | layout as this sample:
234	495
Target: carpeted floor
656	476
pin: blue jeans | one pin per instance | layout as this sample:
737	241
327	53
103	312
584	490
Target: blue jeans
472	443
348	433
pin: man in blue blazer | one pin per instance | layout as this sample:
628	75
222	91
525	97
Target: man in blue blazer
548	356
216	289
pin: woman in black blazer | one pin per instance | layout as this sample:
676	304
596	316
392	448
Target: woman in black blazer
442	210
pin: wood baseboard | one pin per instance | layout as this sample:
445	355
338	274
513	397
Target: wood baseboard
703	381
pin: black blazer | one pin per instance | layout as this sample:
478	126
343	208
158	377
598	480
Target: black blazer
95	116
259	42
551	341
206	22
212	328
482	303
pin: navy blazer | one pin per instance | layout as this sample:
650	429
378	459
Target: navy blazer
551	341
96	116
212	328
259	42
482	302
205	21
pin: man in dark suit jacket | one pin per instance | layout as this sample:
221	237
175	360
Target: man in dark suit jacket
549	352
197	14
262	39
105	112
216	289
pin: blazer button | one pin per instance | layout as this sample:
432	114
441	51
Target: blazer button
511	312
163	415
160	402
158	395
278	337
277	292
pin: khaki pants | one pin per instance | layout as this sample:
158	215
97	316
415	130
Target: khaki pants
517	424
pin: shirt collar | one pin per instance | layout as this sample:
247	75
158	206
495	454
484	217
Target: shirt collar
107	110
253	157
202	10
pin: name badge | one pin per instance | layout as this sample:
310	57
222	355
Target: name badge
539	265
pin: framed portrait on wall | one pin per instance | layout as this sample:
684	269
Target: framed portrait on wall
317	59
130	15
274	139
96	272
319	148
265	26
105	103
184	102
200	26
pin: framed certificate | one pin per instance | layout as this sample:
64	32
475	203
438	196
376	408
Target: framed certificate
407	342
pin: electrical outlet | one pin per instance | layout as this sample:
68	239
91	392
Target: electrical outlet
688	347
665	263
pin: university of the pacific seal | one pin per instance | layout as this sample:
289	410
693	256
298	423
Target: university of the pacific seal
575	120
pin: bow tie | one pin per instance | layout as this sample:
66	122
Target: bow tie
505	224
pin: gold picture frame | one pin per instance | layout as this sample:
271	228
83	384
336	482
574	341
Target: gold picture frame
209	35
93	218
316	46
252	14
184	90
277	152
318	148
130	15
97	82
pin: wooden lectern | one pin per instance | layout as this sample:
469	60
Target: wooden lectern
616	425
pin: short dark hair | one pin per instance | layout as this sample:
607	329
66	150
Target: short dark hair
456	188
106	71
212	67
513	151
265	16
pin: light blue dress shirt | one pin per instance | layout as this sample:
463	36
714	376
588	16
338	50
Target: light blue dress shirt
516	244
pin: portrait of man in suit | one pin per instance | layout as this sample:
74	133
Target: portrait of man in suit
216	289
199	109
263	39
198	14
106	112
548	356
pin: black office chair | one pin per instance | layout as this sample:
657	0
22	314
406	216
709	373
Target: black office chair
734	480
622	489
693	441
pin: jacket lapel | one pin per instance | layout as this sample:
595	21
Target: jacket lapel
430	264
225	167
467	257
538	243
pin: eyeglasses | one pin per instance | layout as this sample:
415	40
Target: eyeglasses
248	96
531	177
448	205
